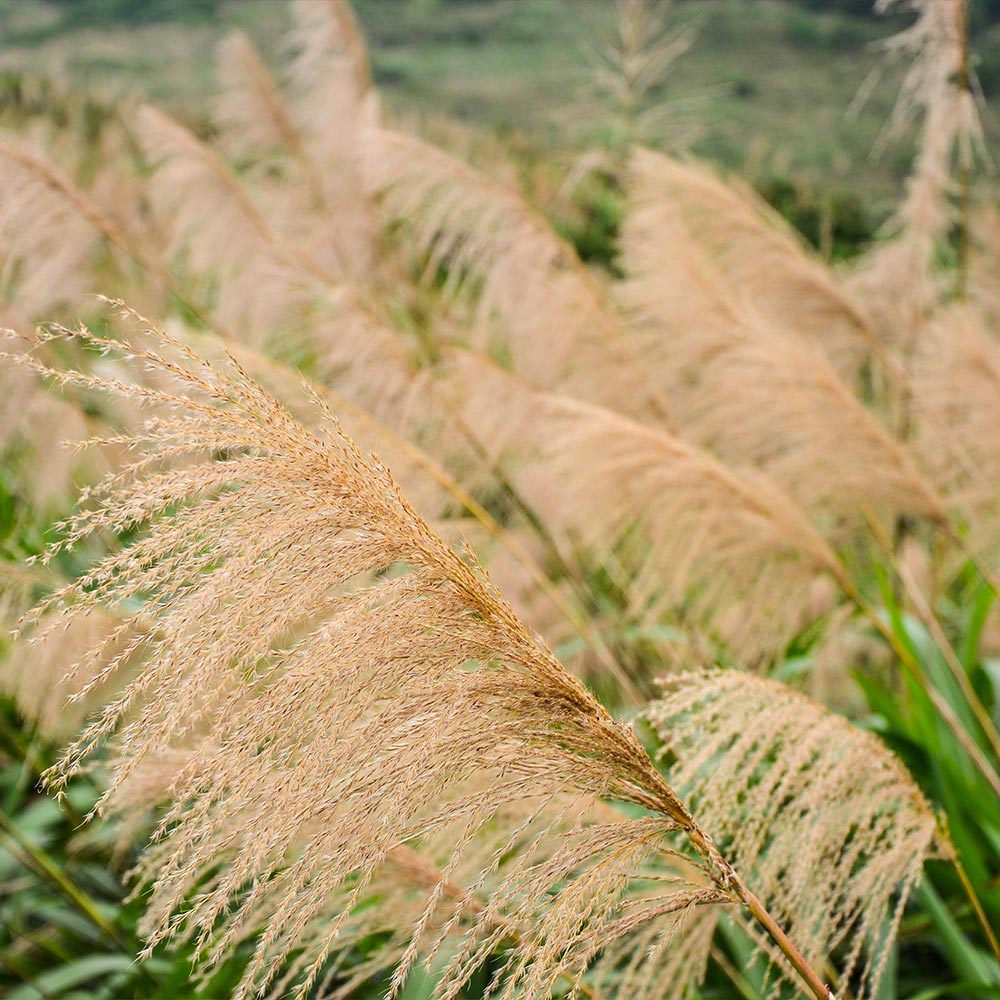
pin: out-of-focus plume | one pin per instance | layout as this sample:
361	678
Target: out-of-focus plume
336	106
259	128
537	306
693	536
745	383
46	248
899	279
261	277
632	66
751	250
957	404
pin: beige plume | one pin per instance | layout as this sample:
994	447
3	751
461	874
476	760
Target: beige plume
752	252
831	824
46	249
726	547
747	387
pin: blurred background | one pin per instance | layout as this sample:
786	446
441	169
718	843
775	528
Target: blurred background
779	90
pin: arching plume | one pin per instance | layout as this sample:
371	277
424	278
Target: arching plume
831	824
693	536
899	279
957	402
752	252
249	110
46	249
337	107
223	231
299	619
258	127
750	390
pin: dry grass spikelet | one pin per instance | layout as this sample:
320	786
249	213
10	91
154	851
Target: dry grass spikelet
44	683
343	682
831	824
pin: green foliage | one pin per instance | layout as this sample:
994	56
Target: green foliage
945	927
593	225
67	928
836	223
95	13
987	66
804	29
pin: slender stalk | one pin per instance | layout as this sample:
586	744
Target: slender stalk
729	881
950	657
27	753
733	974
42	864
977	906
24	975
20	749
816	986
913	668
929	619
989	577
964	84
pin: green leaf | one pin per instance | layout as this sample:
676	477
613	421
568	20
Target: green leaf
57	981
972	964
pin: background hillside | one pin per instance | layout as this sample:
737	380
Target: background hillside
766	87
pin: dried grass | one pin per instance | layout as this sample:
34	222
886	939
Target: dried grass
832	827
298	617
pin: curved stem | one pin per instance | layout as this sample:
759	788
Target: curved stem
977	906
728	880
816	986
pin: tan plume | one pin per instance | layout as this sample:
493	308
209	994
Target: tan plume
692	534
832	825
754	253
46	249
749	388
